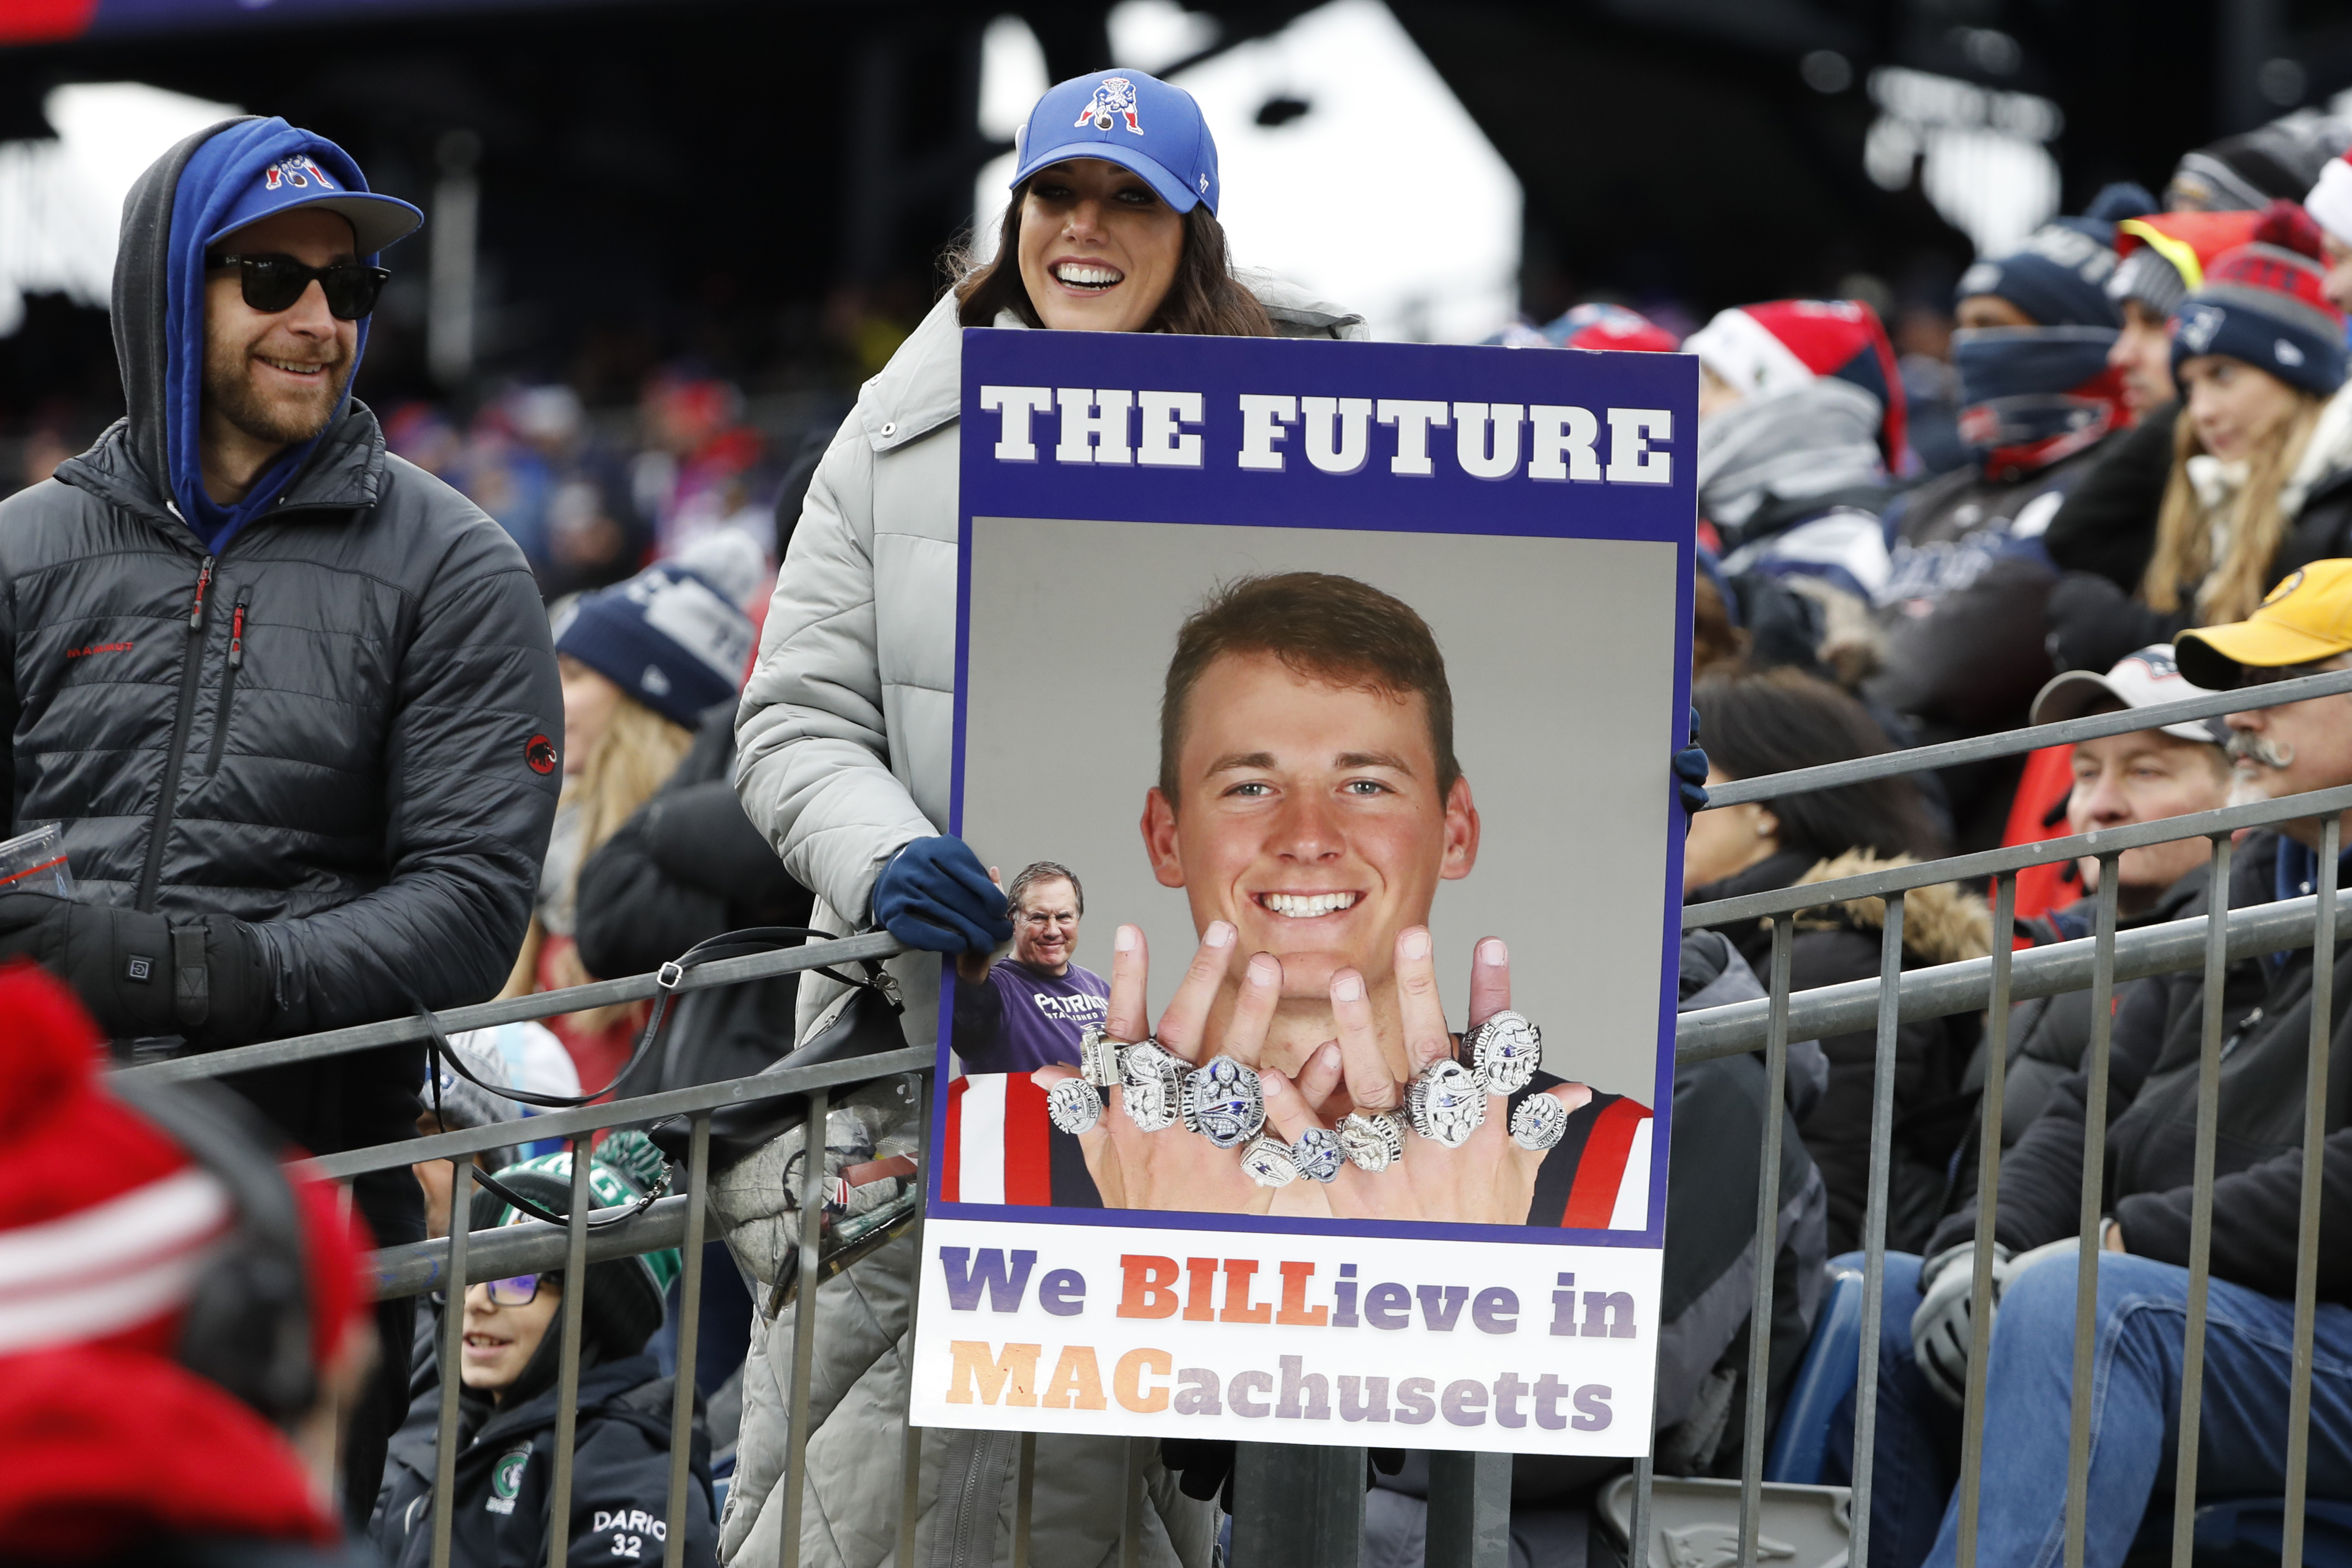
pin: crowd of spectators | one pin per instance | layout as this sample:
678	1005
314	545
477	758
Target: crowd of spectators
2132	482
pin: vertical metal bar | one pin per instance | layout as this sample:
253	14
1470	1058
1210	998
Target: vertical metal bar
1988	1148
1874	1225
2200	1212
1766	1244
2314	1146
1297	1506
690	1325
813	1137
1130	1518
453	1358
1469	1510
337	1400
1637	1523
1024	1497
910	1451
567	1377
2094	1165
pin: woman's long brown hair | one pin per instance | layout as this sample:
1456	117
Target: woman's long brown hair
1204	299
2229	589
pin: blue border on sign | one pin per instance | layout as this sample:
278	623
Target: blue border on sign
1446	500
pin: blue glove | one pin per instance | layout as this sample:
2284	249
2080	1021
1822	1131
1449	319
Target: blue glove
1690	773
936	896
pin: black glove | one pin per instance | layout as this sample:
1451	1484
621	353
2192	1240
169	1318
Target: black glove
139	976
1204	1466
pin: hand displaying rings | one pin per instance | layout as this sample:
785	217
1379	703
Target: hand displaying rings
1428	1132
1179	1120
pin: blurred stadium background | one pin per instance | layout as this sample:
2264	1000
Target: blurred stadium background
669	237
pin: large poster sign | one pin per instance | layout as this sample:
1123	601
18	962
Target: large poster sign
1315	704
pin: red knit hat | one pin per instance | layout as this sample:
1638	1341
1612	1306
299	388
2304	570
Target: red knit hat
105	1222
1763	349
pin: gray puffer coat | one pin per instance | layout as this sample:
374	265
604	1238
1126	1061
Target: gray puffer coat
844	743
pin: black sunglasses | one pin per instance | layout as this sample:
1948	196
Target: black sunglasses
273	283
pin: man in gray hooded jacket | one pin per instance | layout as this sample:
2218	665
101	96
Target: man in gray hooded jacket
292	700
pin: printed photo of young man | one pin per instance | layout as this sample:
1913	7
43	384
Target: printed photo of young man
1028	1010
1308	804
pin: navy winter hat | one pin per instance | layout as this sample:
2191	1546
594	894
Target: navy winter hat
2058	276
1131	119
624	1303
2263	304
667	636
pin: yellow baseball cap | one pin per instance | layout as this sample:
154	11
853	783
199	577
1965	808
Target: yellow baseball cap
2305	618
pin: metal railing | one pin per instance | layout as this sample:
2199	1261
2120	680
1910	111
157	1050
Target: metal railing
1293	1506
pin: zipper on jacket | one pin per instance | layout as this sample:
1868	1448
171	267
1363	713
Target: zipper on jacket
191	663
229	684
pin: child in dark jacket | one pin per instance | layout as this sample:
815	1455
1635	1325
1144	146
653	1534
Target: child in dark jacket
508	1407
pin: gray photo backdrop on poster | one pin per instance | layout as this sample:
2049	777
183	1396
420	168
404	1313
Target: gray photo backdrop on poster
1561	653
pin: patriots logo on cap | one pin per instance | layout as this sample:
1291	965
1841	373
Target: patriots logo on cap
1114	97
298	174
2198	325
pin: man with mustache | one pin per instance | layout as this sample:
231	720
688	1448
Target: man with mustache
2304	626
292	700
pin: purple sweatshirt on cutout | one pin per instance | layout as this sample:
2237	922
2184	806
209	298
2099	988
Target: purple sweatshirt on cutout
1019	1018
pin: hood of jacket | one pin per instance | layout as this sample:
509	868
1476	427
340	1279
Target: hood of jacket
1942	922
159	311
922	386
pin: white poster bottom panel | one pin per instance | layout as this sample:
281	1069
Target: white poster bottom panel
1274	1338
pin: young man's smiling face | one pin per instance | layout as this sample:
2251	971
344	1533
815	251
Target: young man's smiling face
1309	815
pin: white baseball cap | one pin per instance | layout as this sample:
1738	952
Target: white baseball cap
2143	679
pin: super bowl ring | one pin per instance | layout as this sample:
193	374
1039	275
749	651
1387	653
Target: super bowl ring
1538	1122
1372	1141
1446	1104
1074	1105
1269	1162
1507	1049
1151	1081
1224	1102
1318	1154
1099	1057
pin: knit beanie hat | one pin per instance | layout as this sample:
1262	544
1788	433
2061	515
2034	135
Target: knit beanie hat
1766	349
2262	303
2330	201
668	636
2163	255
106	1223
1603	326
2058	276
624	1295
2242	173
465	1103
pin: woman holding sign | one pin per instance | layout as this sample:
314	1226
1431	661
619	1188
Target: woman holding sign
844	739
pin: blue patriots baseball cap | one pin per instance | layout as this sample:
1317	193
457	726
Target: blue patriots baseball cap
1134	121
302	181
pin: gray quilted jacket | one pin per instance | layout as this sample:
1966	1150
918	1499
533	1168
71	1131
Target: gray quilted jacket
343	728
843	743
